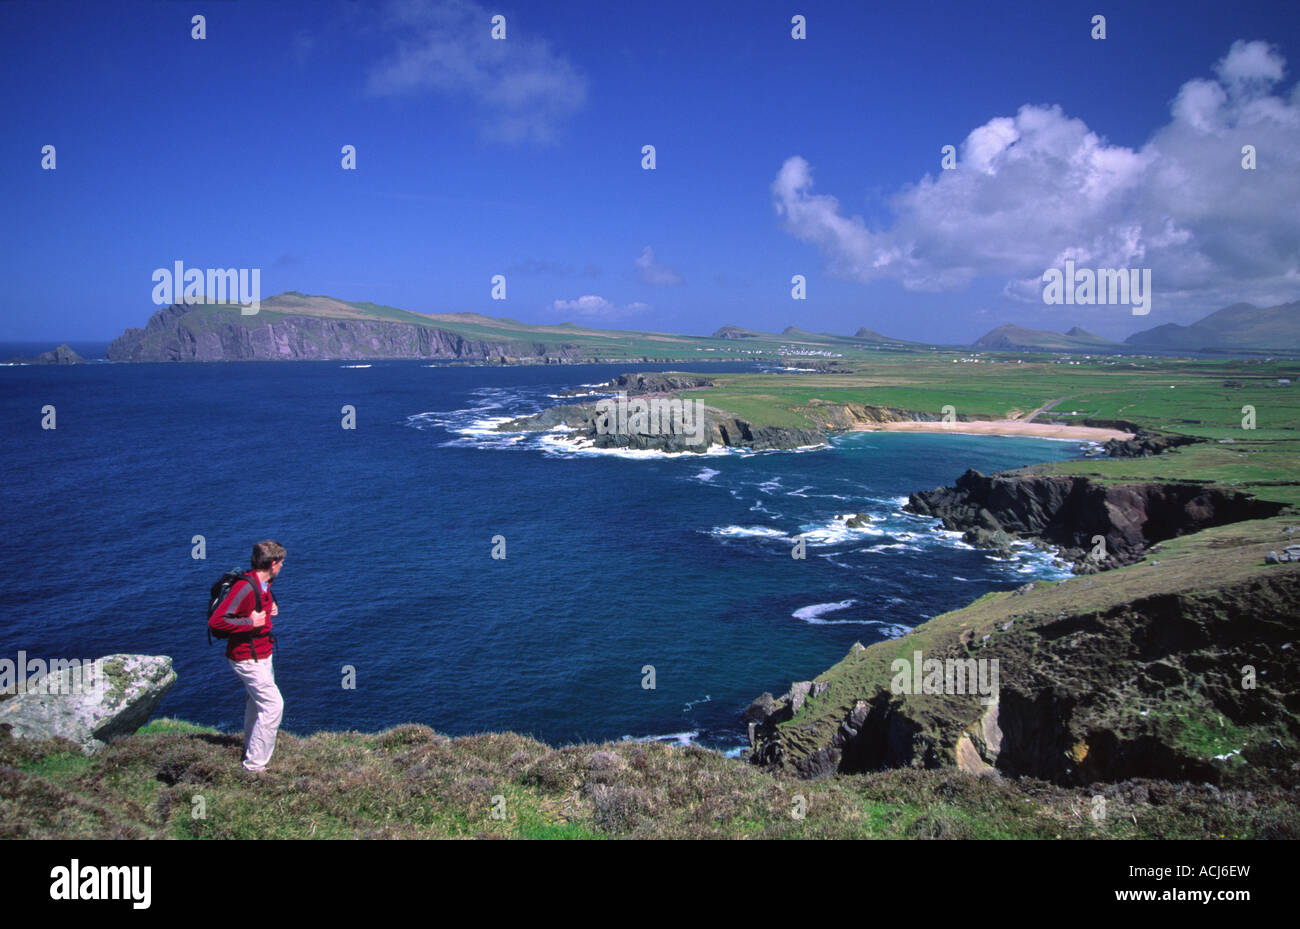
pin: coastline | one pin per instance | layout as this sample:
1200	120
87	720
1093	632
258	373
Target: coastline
1005	427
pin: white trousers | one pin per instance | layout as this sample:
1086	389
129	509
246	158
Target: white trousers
262	711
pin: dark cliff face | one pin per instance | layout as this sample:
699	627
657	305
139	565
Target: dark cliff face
174	333
1071	512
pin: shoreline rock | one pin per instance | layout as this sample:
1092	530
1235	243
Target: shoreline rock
1113	691
62	355
1071	512
720	429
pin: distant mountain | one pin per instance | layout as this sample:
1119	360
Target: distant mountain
737	332
1014	338
828	339
871	335
1240	327
295	326
301	327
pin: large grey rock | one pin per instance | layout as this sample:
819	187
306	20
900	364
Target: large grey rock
799	692
91	708
763	706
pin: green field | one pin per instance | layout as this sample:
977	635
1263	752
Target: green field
1186	397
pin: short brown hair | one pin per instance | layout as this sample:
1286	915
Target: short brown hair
266	552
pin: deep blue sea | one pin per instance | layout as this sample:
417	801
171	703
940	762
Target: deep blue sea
613	563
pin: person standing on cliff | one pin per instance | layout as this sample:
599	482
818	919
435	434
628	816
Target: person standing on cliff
249	651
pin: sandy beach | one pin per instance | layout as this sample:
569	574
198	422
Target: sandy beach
1003	427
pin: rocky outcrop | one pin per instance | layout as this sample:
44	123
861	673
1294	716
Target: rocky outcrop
55	356
849	415
1143	445
819	365
648	382
202	333
1072	512
1182	684
91	703
645	382
719	428
737	332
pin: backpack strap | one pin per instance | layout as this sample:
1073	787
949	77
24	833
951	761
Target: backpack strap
257	607
257	590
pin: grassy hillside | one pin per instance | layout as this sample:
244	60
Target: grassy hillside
1237	327
1015	337
1022	628
411	782
612	344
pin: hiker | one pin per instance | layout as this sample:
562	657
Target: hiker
249	647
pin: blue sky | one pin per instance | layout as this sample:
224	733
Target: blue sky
775	157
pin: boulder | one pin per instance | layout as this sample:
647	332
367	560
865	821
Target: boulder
1290	553
763	706
90	707
798	693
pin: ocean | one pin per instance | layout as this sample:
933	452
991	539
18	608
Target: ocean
621	571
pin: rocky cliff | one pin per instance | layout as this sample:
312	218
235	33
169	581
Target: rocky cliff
720	428
200	333
1143	444
652	382
849	415
1180	668
1071	512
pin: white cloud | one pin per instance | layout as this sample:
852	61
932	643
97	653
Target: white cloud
592	306
525	89
1032	190
1251	63
654	273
